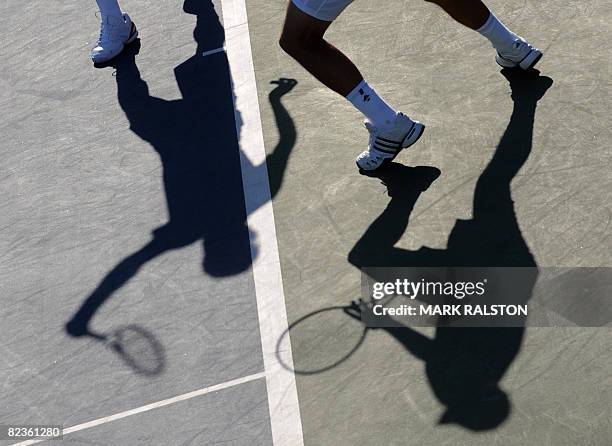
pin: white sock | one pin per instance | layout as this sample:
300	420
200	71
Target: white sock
367	101
500	37
109	8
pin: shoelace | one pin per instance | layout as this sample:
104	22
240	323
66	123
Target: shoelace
98	14
516	45
103	25
370	158
373	130
106	28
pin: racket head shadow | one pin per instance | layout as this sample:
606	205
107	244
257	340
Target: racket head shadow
138	348
326	338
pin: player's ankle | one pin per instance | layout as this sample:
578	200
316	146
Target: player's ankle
373	107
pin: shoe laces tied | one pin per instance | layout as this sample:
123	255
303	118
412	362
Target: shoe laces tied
104	25
373	130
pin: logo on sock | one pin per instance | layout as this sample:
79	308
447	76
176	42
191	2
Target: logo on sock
366	97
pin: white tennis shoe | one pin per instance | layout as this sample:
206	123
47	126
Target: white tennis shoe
520	54
115	33
387	142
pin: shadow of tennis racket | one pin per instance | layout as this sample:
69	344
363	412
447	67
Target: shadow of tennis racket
326	337
138	348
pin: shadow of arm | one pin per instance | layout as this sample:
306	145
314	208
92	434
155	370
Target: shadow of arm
115	279
278	159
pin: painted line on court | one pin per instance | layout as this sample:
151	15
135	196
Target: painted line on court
215	51
280	380
148	407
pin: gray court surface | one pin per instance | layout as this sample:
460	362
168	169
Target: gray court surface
330	220
122	206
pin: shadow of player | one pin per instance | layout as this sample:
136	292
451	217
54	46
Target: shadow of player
464	366
196	138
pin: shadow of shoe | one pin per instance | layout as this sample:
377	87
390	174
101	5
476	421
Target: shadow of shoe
401	180
130	51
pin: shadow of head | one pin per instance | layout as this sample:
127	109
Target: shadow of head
208	32
486	412
229	256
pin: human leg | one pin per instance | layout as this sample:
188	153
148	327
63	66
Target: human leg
512	49
303	39
116	31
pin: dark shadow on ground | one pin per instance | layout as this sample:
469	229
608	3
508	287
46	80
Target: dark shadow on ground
137	347
277	161
196	138
465	365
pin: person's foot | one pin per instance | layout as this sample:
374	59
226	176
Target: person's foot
115	33
519	54
386	142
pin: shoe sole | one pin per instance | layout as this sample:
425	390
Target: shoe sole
411	138
133	36
528	62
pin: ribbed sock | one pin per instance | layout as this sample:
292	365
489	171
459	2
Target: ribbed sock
500	37
368	102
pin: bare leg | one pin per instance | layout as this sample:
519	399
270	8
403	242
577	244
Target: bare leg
512	50
471	13
302	39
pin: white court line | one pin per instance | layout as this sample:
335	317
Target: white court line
148	407
280	380
215	51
